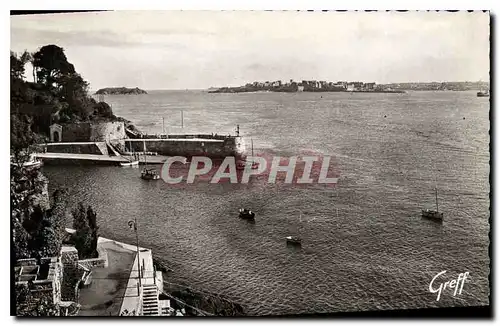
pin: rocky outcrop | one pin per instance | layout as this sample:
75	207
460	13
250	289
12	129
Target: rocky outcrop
206	302
120	91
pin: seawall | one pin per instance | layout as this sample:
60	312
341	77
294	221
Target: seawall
229	146
96	148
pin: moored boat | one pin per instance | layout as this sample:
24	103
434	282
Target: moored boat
246	214
433	214
130	163
32	163
293	240
241	164
483	93
149	174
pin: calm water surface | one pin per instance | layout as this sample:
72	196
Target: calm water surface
365	245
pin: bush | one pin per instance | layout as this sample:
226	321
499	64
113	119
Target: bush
85	236
102	109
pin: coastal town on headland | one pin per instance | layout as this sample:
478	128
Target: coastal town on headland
344	86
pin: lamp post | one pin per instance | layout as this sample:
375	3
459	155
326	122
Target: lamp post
133	225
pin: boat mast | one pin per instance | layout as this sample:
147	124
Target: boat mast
251	140
300	222
145	158
437	207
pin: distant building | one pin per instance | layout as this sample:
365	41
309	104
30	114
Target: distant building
370	86
300	88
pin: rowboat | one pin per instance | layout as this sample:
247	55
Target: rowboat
131	163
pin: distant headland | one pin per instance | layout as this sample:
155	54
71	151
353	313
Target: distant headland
306	86
344	86
120	91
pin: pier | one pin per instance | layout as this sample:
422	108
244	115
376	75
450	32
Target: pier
98	159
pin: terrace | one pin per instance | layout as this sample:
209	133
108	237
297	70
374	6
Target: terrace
32	272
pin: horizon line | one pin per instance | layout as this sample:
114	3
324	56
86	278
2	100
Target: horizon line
206	88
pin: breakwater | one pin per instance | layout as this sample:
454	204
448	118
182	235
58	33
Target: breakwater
115	150
228	146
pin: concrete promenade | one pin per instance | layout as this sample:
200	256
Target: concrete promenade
132	299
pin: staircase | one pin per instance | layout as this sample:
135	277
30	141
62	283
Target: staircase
150	305
113	149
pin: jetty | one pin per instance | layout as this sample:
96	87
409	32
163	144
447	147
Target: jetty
98	159
114	143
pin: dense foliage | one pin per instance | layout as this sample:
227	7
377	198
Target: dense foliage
29	305
38	227
57	94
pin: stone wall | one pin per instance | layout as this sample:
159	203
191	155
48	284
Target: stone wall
93	132
188	147
83	148
71	273
26	262
100	261
75	132
108	131
43	289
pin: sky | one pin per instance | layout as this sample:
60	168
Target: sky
201	49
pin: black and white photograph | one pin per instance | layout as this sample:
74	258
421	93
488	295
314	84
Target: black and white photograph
232	163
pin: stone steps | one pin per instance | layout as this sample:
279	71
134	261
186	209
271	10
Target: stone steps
150	304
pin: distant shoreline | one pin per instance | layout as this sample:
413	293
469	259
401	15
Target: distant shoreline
314	86
281	91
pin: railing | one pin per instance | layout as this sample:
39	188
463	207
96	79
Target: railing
185	136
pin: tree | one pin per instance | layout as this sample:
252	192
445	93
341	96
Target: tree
92	220
16	66
20	238
85	236
58	213
47	242
22	139
45	239
51	64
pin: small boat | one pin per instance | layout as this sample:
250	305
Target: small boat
433	214
32	163
295	240
292	240
241	164
149	174
483	94
130	163
246	214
